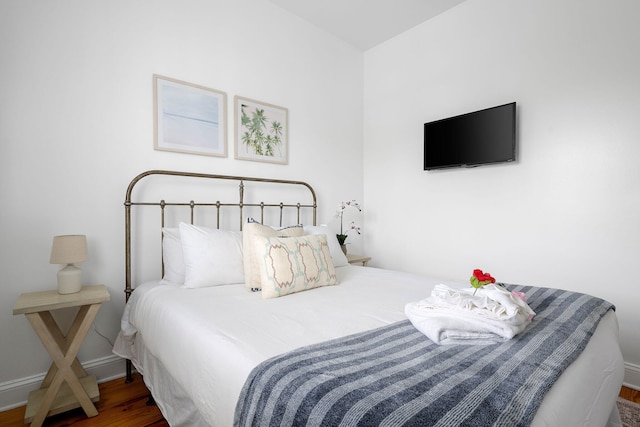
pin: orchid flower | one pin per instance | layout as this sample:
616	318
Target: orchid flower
340	212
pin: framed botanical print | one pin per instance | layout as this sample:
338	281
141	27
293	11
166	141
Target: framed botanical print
261	131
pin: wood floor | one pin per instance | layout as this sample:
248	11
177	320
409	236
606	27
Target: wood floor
120	405
630	394
126	405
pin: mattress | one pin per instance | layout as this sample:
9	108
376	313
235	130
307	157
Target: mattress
196	347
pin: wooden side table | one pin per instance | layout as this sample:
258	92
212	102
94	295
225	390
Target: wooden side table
54	396
358	259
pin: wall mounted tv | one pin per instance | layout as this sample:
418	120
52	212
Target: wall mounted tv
481	137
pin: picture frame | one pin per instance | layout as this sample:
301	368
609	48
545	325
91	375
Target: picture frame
261	131
189	118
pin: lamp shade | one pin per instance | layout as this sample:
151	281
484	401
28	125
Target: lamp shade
69	249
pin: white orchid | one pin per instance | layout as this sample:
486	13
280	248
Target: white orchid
339	213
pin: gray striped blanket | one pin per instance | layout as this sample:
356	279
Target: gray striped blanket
395	376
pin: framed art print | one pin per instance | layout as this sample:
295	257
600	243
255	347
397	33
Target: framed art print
189	118
261	132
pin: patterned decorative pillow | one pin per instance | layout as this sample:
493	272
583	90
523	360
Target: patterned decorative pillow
250	232
337	256
294	264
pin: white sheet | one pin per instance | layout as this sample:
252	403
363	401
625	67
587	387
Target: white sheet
209	339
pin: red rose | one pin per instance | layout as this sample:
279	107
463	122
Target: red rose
483	277
479	279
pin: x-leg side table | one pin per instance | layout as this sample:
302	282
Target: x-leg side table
54	396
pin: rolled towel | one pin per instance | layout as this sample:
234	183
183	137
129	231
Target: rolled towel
456	316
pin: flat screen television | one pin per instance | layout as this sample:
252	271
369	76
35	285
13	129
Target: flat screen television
478	138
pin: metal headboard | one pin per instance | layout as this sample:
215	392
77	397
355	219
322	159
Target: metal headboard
240	204
217	204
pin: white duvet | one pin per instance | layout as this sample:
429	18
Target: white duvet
208	340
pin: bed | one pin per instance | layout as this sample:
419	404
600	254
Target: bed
206	343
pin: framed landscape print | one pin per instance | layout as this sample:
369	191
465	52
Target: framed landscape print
189	118
261	132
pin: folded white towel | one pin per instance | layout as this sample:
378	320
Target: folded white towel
456	316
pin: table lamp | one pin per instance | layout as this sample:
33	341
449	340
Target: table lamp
68	250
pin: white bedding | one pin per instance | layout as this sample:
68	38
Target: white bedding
208	340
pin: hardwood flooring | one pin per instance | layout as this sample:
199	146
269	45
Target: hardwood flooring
126	405
630	394
120	405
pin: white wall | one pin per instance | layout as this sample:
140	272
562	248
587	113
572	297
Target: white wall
76	125
567	213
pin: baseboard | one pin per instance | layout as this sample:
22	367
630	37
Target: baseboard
15	393
632	376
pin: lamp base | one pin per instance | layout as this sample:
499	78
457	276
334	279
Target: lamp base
69	280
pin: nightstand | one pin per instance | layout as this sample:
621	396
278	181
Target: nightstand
66	385
358	259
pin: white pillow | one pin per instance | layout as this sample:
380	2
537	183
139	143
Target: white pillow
337	256
211	257
294	264
250	231
172	256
